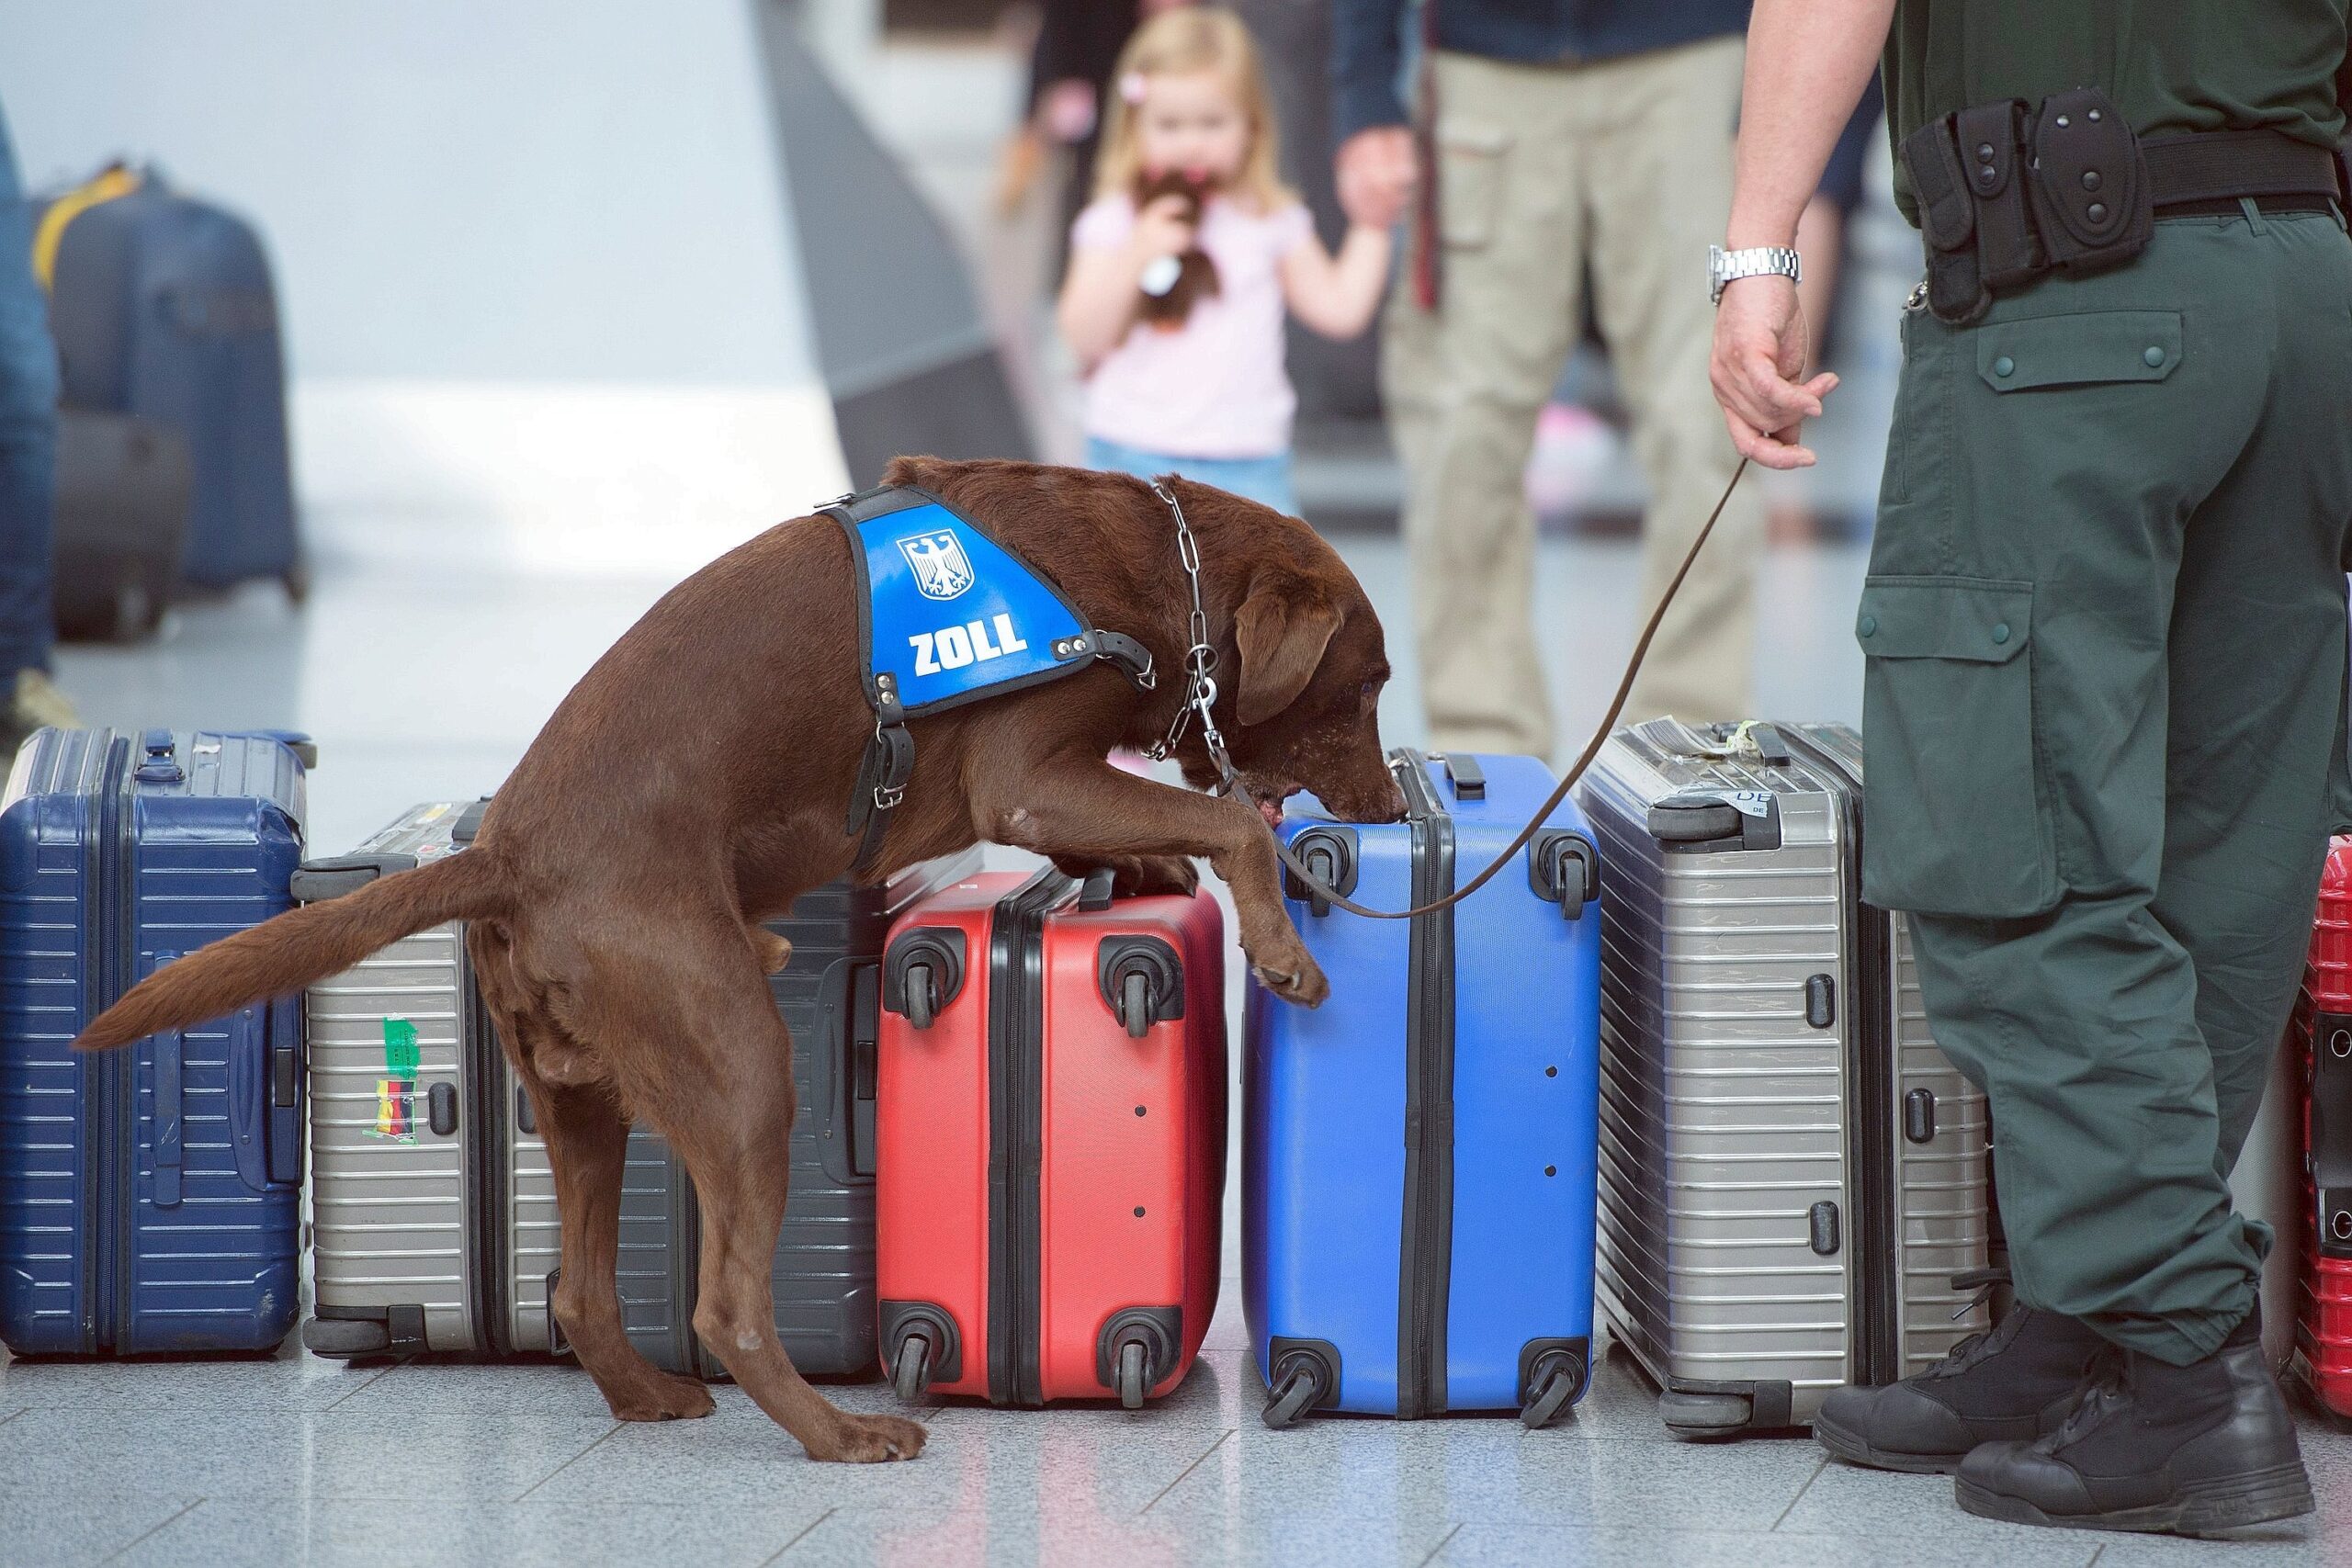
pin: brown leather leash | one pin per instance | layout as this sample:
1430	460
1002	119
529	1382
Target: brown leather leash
1200	693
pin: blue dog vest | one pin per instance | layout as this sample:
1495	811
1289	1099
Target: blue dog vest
947	615
951	616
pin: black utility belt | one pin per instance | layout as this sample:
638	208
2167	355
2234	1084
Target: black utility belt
2008	192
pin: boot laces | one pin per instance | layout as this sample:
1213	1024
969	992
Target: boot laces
2099	1399
1985	1342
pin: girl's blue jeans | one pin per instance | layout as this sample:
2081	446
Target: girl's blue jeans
1262	479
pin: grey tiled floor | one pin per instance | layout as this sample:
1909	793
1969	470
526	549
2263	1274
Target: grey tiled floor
419	687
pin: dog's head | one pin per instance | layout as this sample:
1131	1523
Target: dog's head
1306	697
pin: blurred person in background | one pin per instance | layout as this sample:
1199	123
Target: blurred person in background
1548	138
1078	44
1200	388
28	472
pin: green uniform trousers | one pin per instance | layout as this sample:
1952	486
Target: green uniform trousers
2104	635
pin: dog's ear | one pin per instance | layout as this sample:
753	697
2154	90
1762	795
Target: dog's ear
1283	626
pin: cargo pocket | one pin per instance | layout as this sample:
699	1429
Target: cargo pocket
1470	180
1954	821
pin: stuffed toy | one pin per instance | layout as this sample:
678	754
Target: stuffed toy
1171	284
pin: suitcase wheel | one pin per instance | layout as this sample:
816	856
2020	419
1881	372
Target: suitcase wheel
1300	1388
910	1368
1135	1376
343	1338
1699	1415
1552	1397
1135	1007
920	997
1555	1393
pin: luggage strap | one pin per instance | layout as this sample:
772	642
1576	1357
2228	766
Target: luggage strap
1200	695
114	180
1010	629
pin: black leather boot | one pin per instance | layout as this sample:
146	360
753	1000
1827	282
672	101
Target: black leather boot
2197	1451
2018	1380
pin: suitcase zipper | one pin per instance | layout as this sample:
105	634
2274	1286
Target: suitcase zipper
1016	1119
1426	1252
1878	1292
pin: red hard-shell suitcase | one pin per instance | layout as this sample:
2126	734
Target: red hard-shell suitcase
1049	1178
2322	1358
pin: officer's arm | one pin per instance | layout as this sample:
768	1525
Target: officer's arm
1807	61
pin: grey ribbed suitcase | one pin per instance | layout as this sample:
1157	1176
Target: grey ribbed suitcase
432	1216
1793	1176
434	1225
824	1275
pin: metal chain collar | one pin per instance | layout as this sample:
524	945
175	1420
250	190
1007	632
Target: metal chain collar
1200	658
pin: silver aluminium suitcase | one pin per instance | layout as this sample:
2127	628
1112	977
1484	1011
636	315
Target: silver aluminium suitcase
433	1211
1793	1176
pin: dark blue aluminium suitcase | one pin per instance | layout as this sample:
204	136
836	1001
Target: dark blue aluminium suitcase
149	1195
1418	1168
162	307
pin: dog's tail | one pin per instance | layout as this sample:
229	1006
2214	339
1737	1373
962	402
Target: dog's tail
282	956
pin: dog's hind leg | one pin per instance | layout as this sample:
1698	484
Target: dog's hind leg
724	1097
587	1141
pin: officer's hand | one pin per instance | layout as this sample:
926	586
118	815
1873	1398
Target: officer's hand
1760	347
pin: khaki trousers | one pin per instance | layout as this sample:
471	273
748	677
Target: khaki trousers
1626	166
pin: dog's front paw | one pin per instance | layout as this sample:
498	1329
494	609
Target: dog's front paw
1304	984
870	1439
1158	874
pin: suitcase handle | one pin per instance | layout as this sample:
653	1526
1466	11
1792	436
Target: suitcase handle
286	1090
168	1142
864	1040
249	1113
1468	779
161	765
2328	1151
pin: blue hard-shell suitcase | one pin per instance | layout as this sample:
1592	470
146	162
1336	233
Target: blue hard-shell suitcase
1418	1169
162	307
149	1195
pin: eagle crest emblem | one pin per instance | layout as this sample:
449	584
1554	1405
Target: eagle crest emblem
941	569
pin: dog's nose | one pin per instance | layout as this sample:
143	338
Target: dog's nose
1386	806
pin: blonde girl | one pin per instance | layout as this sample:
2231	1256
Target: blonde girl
1209	398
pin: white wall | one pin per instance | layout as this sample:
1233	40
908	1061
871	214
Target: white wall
541	290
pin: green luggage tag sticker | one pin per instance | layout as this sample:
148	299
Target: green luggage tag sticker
400	1055
395	1095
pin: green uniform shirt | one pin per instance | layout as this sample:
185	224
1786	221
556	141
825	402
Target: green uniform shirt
2170	66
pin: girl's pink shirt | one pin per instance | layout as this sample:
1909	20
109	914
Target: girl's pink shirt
1214	387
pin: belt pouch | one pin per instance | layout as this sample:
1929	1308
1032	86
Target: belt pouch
2089	183
2008	251
1956	290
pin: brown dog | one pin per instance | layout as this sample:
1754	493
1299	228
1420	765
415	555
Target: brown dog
694	782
